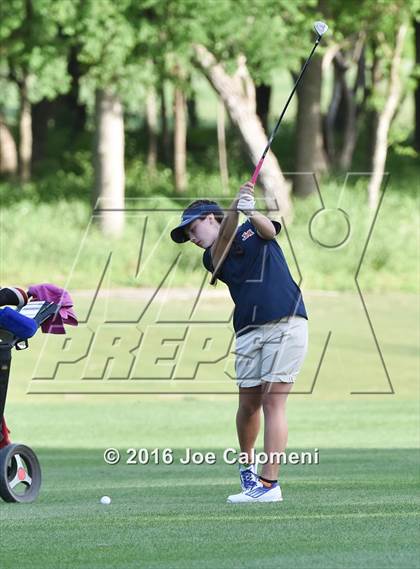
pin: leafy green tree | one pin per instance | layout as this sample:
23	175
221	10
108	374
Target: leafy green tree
113	42
34	57
370	39
237	45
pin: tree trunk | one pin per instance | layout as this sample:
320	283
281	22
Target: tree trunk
151	119
42	112
109	162
344	109
192	111
263	96
76	109
25	134
238	95
166	145
417	90
180	140
350	97
330	141
360	80
350	131
221	145
192	107
8	152
309	152
372	115
385	118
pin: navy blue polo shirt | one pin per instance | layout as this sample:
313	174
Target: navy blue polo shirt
259	280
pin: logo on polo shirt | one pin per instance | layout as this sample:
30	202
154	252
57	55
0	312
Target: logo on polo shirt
246	234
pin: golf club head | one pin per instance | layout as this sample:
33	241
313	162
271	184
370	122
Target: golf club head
320	28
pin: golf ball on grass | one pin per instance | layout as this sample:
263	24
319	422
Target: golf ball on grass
105	500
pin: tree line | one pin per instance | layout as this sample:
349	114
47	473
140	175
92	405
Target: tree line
123	53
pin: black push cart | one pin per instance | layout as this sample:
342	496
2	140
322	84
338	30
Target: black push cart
20	471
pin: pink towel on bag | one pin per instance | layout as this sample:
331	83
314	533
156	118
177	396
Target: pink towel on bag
66	315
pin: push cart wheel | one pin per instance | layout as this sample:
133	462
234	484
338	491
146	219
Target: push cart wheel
20	474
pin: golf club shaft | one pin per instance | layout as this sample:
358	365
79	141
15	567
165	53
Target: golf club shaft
273	134
323	29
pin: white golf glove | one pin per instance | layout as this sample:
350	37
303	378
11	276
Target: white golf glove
246	205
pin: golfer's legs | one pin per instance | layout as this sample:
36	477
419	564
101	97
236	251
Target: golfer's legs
274	397
284	348
248	417
270	356
248	373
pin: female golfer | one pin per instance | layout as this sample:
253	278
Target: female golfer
270	323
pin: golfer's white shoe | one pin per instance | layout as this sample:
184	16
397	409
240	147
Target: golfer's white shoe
259	493
248	476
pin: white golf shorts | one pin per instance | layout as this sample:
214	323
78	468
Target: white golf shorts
272	352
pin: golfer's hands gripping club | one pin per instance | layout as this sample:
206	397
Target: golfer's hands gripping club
246	201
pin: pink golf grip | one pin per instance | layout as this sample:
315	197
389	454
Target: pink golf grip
257	171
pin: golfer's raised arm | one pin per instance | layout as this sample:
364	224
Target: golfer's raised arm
263	225
227	232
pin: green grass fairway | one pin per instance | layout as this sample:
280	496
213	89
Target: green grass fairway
356	509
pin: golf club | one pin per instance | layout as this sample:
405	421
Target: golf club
320	29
